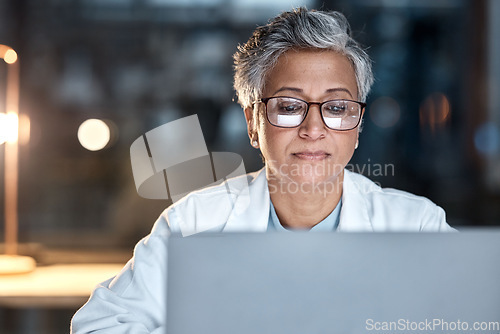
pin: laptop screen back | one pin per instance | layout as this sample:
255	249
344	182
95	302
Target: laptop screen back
334	283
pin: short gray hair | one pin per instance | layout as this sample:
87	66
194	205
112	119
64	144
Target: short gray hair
296	29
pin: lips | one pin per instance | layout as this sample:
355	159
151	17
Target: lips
312	155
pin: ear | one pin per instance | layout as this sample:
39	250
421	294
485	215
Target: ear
358	131
251	123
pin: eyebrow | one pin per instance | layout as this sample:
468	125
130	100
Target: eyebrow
299	90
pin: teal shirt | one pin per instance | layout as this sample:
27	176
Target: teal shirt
328	224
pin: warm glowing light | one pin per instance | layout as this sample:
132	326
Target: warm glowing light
435	111
9	127
94	134
10	56
3	122
24	129
16	264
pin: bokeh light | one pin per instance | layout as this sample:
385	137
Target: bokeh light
9	125
385	112
10	56
24	129
94	134
435	111
487	139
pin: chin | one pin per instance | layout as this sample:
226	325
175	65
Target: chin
305	179
319	170
317	184
305	172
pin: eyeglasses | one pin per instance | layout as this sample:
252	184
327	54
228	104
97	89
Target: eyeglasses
289	112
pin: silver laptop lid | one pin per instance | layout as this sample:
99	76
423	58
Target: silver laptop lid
334	283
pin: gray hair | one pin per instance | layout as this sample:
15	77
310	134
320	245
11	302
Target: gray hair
297	29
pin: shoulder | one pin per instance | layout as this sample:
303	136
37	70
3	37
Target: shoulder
376	193
392	209
210	208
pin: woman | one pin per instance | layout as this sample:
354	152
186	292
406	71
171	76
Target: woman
302	82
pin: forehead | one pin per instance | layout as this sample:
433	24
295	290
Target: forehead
312	71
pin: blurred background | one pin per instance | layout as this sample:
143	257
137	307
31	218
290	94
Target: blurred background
432	125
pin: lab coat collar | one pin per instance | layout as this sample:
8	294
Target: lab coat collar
354	215
252	208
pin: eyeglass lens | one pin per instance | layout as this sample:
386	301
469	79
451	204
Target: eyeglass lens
290	112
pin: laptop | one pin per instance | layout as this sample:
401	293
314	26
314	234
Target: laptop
334	283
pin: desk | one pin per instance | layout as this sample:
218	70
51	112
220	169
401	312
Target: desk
54	286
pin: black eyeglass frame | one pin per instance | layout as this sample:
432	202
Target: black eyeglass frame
319	104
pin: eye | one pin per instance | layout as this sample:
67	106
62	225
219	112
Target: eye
290	108
335	108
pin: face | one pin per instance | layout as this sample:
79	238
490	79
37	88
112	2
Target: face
310	153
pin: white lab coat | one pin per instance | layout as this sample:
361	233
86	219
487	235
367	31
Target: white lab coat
134	301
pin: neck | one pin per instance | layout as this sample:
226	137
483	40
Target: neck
305	208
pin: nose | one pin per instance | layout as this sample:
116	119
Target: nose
313	127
